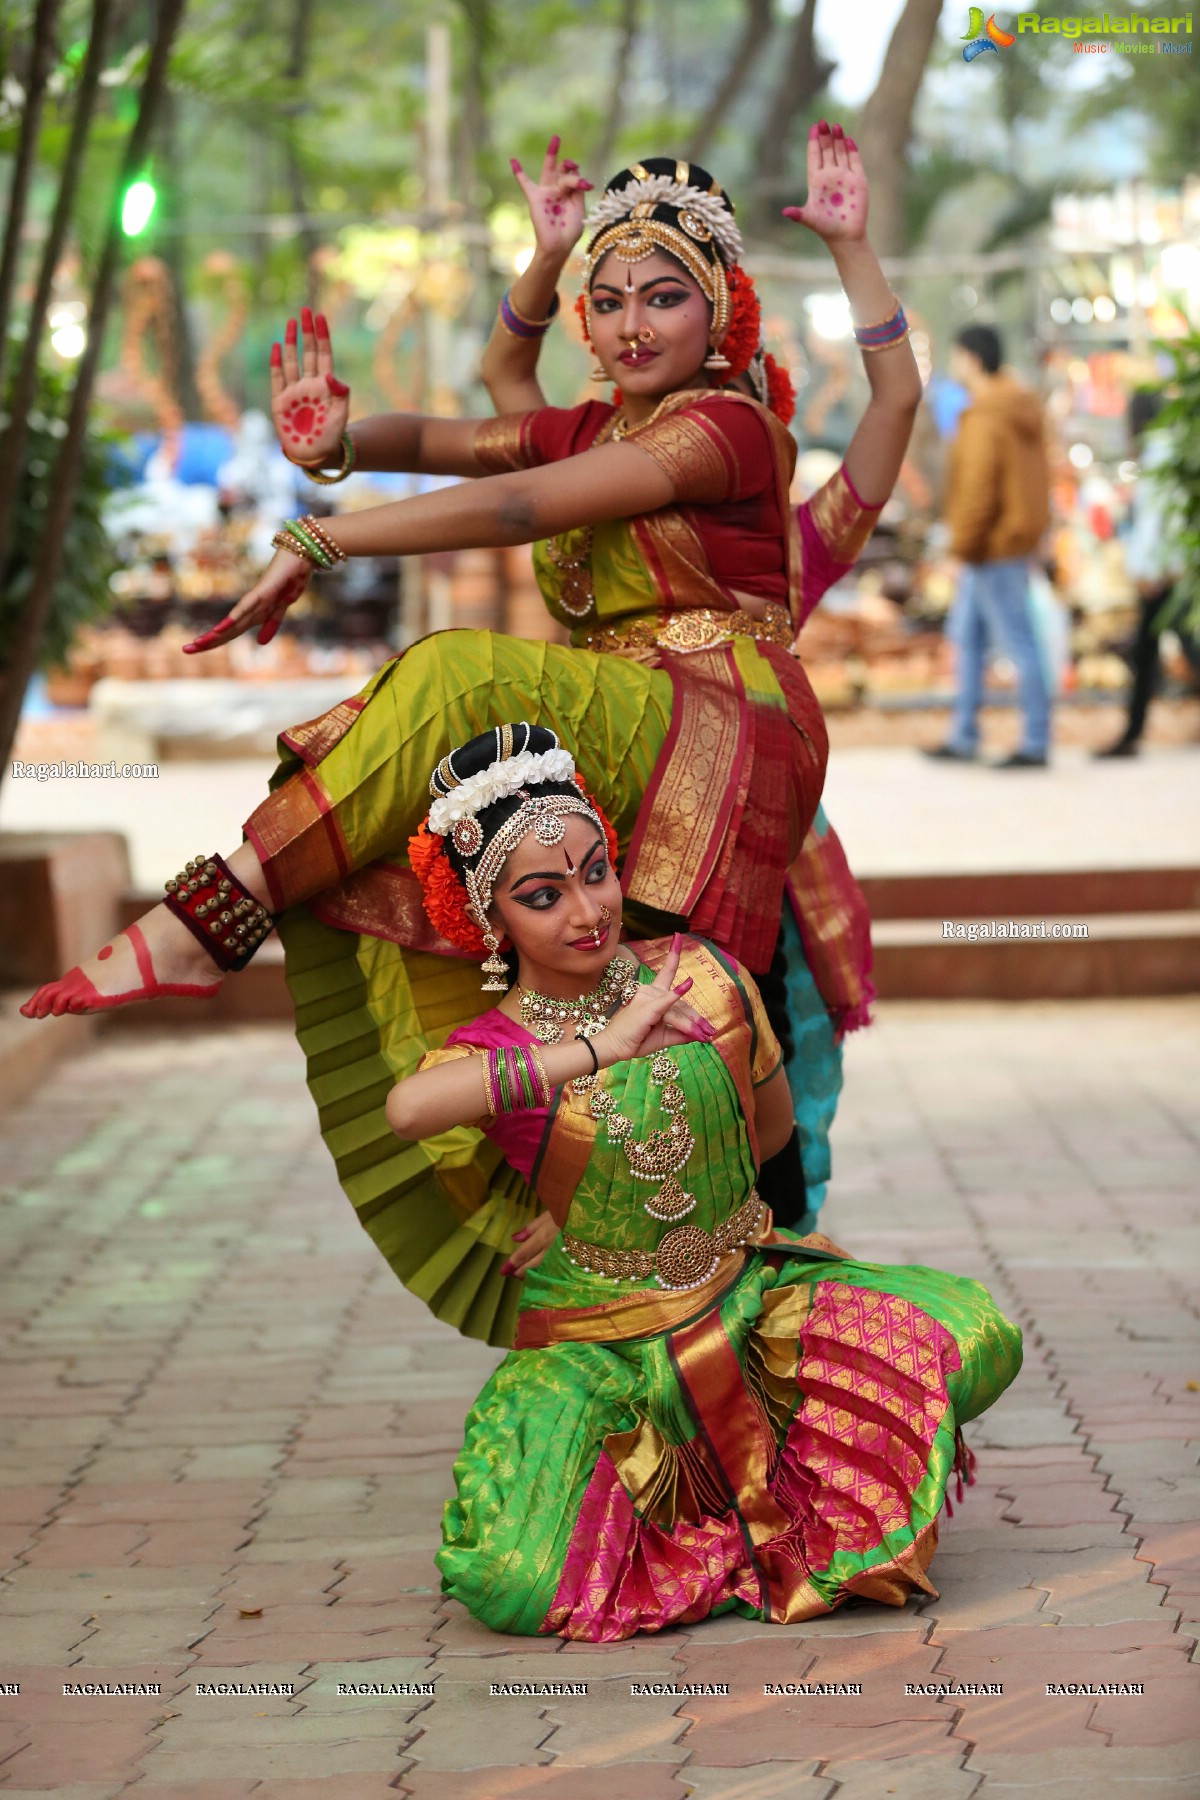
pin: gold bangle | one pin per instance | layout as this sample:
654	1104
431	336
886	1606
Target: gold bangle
283	540
880	323
535	1056
349	458
487	1086
870	349
534	324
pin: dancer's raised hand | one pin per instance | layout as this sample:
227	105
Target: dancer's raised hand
555	201
653	1018
309	405
836	208
279	586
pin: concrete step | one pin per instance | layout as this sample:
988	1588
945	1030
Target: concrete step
1039	893
1123	955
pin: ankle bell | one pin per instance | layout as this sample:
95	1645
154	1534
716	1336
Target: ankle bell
218	911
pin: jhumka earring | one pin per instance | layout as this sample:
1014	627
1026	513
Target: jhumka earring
716	360
494	968
598	374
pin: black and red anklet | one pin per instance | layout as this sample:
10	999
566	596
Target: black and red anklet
218	911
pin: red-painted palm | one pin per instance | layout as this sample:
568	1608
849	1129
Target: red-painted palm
836	208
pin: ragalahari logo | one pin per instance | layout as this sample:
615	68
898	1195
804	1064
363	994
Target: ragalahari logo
985	37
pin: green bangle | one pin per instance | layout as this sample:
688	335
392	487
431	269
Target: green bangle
316	552
349	458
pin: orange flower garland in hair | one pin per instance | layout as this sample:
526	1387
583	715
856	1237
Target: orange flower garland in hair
745	326
444	895
781	389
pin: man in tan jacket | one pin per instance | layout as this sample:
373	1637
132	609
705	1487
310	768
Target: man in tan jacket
997	507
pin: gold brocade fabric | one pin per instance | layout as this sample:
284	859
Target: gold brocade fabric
700	628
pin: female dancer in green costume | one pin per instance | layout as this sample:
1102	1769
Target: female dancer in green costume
665	528
701	1413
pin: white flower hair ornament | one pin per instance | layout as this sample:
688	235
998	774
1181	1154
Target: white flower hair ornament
499	781
663	190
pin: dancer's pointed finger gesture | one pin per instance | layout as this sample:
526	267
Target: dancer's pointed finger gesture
836	208
309	405
555	200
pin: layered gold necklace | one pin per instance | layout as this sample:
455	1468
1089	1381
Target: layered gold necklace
660	1155
548	1016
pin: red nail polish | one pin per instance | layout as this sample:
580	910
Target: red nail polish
552	146
514	165
322	324
813	131
572	168
838	132
291	331
306	318
587	187
850	144
276	356
335	386
506	1268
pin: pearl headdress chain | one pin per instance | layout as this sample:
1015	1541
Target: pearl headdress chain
664	190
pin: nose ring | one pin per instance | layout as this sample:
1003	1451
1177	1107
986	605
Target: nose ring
605	914
646	335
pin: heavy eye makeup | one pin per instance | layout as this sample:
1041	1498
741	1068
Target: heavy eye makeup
661	298
541	899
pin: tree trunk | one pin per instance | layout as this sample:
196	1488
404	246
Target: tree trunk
171	245
475	139
886	122
614	114
12	449
40	58
296	70
801	79
756	29
38	602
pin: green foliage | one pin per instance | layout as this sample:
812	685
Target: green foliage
82	592
1181	476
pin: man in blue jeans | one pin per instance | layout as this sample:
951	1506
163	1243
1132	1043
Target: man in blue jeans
997	507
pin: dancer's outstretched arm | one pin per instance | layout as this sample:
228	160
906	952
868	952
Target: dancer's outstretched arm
509	365
836	210
614	481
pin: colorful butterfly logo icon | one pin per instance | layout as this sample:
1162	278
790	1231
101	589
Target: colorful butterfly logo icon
985	37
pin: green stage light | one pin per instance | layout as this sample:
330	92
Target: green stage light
137	207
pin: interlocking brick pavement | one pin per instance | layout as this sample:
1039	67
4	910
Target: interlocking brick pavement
227	1433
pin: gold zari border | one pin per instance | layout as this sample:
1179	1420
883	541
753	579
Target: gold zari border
699	628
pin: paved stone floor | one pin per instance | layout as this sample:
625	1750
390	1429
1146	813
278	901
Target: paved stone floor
227	1435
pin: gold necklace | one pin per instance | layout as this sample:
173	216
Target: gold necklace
660	1155
547	1016
623	427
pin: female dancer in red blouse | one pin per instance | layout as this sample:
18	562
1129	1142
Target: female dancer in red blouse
663	526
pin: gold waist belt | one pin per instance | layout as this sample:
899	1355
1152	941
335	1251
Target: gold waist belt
687	1257
700	628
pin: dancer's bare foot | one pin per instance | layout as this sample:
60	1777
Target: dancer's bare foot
155	958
